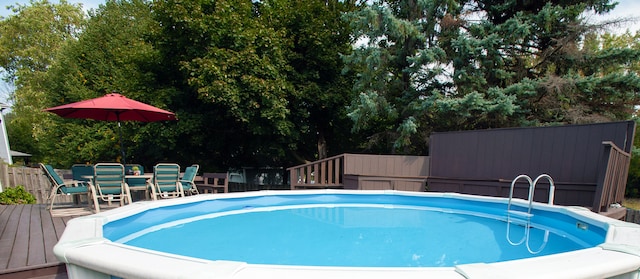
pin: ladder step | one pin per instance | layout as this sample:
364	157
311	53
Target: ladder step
519	222
520	213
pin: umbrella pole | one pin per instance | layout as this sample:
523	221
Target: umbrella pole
121	143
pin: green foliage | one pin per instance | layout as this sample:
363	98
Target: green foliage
252	83
29	43
432	67
111	54
633	178
30	38
266	74
16	195
277	82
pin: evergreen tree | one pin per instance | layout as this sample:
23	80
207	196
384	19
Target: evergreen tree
442	65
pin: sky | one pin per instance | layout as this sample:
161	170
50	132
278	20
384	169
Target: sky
86	4
625	8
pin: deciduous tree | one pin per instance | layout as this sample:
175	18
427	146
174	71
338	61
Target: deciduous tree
30	40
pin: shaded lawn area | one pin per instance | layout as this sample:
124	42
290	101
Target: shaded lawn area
632	203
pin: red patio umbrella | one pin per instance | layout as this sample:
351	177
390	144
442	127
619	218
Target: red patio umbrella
113	107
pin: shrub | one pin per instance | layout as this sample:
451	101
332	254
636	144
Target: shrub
17	195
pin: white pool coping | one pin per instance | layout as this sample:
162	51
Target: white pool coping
89	255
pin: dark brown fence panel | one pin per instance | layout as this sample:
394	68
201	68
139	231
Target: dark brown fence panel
484	162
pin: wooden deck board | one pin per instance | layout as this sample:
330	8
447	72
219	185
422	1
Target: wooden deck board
36	239
27	236
7	234
20	250
50	237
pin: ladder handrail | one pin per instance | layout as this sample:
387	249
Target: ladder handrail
513	184
552	188
527	232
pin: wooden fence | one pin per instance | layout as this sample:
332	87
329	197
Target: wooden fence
32	179
612	180
37	184
363	172
326	173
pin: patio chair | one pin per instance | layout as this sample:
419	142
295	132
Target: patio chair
60	187
108	179
188	180
82	172
166	181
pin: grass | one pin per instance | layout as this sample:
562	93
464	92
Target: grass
632	203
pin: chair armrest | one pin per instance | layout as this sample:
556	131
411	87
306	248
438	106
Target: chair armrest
74	183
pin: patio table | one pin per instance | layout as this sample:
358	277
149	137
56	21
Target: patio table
145	187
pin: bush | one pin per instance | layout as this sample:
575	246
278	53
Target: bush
17	195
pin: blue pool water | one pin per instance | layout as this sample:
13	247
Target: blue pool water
350	230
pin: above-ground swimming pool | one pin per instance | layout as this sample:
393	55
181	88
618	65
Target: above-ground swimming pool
348	234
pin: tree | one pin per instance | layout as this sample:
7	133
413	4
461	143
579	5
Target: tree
251	84
111	55
30	38
450	65
231	68
268	82
318	39
29	42
605	45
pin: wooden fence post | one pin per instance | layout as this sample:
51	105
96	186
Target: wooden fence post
4	175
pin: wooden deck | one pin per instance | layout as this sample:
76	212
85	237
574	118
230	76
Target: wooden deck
27	236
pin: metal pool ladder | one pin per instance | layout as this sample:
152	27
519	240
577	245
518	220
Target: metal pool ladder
527	215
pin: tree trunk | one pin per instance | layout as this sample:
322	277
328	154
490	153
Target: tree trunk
322	146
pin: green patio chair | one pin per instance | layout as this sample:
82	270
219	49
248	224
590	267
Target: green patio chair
108	179
188	180
73	187
166	181
82	172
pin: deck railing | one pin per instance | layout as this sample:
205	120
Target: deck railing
612	179
325	173
362	171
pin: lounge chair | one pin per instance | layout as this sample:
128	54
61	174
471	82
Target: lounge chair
188	180
108	179
166	181
60	187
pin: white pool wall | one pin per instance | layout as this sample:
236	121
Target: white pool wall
87	254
